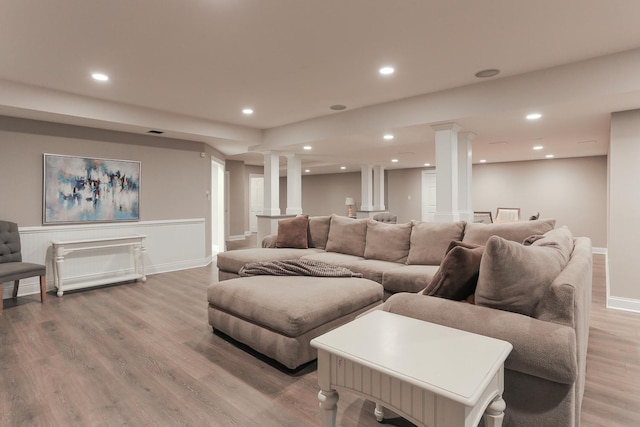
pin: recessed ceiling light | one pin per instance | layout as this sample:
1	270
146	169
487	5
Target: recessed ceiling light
490	72
307	170
394	160
306	147
247	111
534	116
101	77
538	147
387	70
549	156
338	107
483	161
427	164
388	136
343	167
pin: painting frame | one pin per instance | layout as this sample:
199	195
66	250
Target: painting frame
82	190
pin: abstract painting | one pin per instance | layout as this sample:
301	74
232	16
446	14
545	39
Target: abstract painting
83	189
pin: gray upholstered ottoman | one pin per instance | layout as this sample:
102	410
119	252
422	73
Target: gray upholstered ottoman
279	315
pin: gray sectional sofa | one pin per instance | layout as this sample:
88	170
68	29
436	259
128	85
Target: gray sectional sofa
536	295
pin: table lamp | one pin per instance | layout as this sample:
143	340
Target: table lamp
349	202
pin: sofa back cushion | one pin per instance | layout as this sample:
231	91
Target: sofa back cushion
347	235
478	233
457	276
515	277
387	242
318	231
429	241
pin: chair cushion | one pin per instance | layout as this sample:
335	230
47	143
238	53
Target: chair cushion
10	271
9	242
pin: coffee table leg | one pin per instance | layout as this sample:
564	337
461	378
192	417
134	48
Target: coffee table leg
494	414
379	412
329	403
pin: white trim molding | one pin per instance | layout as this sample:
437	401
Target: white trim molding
624	304
171	245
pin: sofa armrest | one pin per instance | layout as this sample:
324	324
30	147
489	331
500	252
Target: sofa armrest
541	349
269	241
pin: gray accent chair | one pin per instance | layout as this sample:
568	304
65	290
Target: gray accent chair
12	269
385	217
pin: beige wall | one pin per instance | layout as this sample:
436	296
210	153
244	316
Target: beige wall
624	208
325	194
175	179
404	189
573	191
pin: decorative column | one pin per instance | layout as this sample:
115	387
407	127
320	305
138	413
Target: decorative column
271	184
294	185
378	188
366	188
447	172
465	161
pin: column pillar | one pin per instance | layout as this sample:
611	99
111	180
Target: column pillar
447	172
366	188
294	185
271	184
378	188
465	161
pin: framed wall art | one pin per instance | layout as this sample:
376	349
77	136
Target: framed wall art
85	189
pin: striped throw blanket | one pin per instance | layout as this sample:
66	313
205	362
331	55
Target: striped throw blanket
297	267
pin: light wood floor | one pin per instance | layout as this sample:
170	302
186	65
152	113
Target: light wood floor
143	354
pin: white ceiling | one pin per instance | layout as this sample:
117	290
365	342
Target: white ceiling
189	67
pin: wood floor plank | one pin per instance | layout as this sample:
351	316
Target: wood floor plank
143	354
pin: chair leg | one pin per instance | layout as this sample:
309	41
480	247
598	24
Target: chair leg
15	289
43	288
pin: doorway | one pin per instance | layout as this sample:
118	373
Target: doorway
256	200
217	206
428	195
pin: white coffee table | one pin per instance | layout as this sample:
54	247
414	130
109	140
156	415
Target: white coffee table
430	374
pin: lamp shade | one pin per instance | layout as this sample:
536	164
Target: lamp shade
349	201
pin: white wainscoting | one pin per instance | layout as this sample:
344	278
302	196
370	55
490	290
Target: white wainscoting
170	245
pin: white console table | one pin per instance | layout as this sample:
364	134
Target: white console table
62	248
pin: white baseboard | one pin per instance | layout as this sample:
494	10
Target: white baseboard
599	251
625	304
248	233
235	238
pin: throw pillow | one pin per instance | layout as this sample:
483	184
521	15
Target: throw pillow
478	234
429	241
347	235
387	242
457	276
514	277
292	232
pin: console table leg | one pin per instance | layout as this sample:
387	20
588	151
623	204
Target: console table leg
58	273
379	412
329	403
494	414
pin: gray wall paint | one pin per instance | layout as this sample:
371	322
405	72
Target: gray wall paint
325	194
624	205
174	181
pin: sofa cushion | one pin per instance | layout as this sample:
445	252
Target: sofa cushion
478	234
318	231
515	277
232	261
429	241
347	235
458	274
387	242
293	305
408	278
292	232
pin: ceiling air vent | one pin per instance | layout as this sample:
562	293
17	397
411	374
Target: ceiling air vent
155	132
